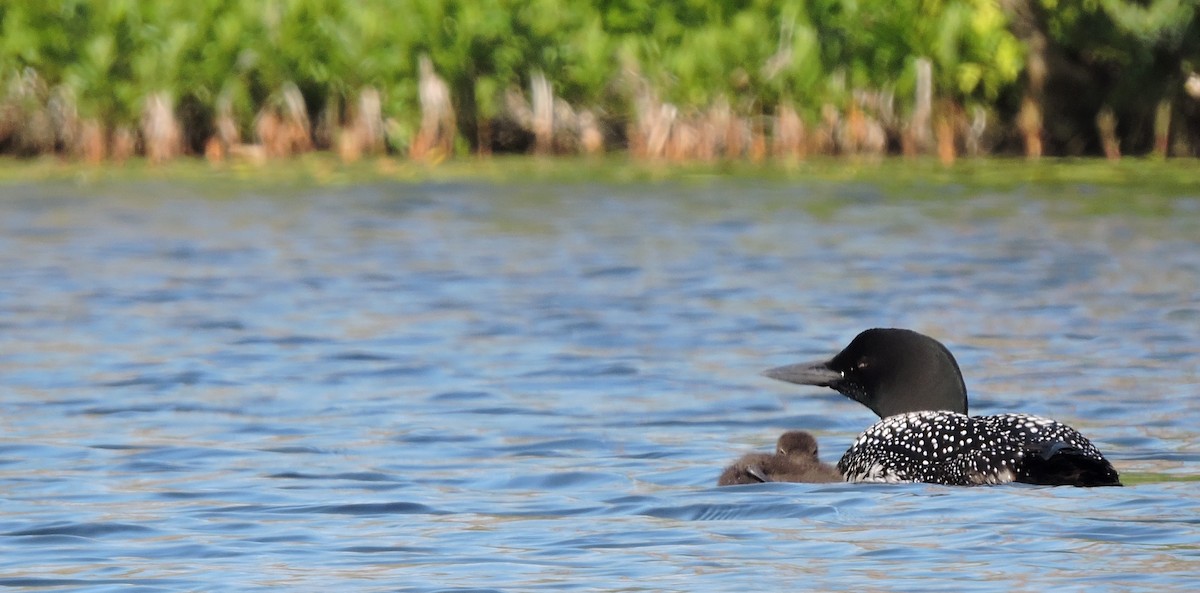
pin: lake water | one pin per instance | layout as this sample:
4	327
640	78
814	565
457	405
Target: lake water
451	386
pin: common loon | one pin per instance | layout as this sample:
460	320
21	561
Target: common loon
925	435
795	460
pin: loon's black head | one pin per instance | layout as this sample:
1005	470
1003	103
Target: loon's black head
891	371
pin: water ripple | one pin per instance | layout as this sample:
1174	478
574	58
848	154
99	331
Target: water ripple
464	387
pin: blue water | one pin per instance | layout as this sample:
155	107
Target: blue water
525	387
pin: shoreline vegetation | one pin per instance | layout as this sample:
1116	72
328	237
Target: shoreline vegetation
676	81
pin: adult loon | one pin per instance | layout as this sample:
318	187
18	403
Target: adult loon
795	460
925	435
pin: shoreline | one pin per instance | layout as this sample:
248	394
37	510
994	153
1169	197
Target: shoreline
1174	176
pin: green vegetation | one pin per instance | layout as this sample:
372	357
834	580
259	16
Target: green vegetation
681	79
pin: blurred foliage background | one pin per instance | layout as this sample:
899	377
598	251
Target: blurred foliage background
685	79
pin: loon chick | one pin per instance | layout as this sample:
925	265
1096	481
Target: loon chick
795	460
925	435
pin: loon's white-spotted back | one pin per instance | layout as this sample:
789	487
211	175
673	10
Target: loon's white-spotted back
925	435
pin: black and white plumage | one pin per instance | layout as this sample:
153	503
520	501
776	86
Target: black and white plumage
925	435
950	448
795	460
